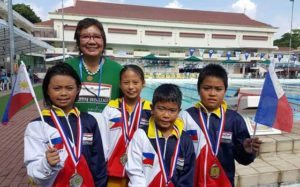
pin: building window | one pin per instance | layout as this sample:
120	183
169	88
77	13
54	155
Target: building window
192	35
122	31
223	36
70	27
158	33
249	37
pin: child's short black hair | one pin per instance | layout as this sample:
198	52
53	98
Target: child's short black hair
134	68
59	69
167	93
214	70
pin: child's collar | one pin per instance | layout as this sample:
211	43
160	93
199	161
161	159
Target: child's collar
217	111
151	129
116	103
60	112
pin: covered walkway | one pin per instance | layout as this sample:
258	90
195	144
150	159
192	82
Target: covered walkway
24	43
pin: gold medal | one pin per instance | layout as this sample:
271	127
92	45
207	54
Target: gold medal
76	180
89	78
123	159
214	171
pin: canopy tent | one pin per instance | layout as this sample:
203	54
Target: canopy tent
192	59
267	62
57	58
150	57
24	42
229	62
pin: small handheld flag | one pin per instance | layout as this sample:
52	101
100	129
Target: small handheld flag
22	93
273	108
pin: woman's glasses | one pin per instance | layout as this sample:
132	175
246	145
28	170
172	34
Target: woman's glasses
88	37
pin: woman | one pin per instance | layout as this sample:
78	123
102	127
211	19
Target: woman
99	75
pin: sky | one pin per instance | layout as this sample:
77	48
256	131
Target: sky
277	13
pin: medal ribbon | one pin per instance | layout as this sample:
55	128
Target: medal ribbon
205	127
174	157
72	151
100	76
134	122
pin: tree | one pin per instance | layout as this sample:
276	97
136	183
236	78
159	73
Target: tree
26	12
284	41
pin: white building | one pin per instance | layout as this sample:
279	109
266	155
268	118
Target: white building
136	31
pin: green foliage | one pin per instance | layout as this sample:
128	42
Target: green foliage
284	41
26	12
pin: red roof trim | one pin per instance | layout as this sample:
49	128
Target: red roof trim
125	11
45	23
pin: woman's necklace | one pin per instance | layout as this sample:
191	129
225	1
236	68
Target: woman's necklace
90	74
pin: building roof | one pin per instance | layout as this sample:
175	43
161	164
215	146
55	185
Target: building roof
125	11
45	23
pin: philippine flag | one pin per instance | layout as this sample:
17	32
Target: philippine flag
273	108
193	134
57	143
148	159
22	94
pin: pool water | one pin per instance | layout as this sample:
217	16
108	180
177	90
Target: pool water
190	93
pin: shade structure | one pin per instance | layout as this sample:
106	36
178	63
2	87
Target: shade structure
24	42
229	62
150	57
192	59
267	62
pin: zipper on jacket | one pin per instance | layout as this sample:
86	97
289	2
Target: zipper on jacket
207	121
165	146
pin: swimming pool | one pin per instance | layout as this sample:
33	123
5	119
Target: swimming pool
190	94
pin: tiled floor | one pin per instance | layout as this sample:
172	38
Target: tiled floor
279	159
278	162
12	171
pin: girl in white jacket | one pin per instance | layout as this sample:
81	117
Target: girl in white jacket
74	155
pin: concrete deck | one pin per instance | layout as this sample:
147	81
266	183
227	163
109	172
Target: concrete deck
278	162
12	170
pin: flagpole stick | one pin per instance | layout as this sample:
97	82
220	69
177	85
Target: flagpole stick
42	118
254	132
36	102
253	135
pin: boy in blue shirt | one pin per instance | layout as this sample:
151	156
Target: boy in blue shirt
219	134
162	154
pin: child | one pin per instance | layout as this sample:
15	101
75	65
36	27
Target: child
123	117
74	157
162	154
220	135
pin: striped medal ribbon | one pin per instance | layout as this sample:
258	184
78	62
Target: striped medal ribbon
167	179
205	127
74	151
129	126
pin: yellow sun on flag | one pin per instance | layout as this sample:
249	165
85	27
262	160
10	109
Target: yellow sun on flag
23	85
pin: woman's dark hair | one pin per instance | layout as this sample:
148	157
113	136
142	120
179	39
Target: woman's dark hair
86	23
167	93
213	70
59	69
135	69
